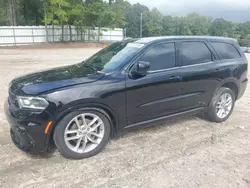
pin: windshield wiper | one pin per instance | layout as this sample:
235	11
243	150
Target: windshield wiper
89	66
101	72
93	68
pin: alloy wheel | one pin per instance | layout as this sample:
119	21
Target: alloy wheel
224	105
84	133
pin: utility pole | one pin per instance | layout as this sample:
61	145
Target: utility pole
125	33
141	26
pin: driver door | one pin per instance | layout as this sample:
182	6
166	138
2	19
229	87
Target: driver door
158	93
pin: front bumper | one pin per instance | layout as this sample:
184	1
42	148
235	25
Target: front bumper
27	128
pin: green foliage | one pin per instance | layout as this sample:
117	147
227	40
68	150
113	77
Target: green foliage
3	12
153	23
243	33
133	19
119	13
31	12
222	27
198	25
3	18
58	12
120	8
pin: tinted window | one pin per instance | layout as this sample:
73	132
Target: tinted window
161	56
225	50
195	53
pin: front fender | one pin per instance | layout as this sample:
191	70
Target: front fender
104	109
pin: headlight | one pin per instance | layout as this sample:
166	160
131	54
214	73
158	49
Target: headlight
32	102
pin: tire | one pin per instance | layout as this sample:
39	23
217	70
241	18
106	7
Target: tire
67	149
212	112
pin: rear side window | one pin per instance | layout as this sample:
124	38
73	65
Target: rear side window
160	56
225	50
195	53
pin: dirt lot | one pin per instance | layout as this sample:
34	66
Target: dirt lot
188	152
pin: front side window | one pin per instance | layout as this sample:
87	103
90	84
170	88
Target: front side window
160	56
195	53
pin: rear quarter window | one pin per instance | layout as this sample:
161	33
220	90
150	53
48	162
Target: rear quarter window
225	50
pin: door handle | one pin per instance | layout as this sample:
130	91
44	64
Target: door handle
217	69
174	78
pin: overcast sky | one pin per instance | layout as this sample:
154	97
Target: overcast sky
234	10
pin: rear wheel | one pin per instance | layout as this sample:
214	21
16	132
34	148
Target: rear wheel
221	105
82	134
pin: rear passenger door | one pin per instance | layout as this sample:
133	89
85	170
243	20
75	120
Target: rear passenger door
198	72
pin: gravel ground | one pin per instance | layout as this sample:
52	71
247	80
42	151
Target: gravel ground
189	152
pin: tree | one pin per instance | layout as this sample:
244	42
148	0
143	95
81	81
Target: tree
58	13
221	27
93	11
3	12
11	12
153	23
74	14
169	25
133	19
116	13
31	12
198	25
120	8
106	18
242	32
110	2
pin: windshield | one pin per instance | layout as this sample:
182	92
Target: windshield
113	56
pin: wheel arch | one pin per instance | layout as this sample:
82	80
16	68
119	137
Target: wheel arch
102	108
228	83
233	86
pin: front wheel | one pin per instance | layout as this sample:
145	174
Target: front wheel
221	105
82	134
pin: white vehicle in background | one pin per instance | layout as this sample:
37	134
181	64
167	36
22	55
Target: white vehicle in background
246	49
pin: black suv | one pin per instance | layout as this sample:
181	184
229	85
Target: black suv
131	83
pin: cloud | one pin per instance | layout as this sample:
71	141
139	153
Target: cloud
234	10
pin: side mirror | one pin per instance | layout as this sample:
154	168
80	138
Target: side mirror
140	69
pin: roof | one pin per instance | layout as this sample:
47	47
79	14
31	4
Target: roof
152	39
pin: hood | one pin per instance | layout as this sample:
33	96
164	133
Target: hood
37	83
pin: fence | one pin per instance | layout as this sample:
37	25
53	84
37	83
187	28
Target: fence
21	35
